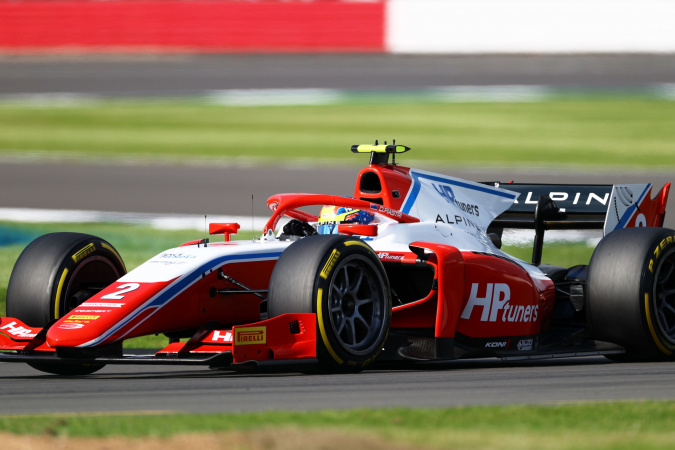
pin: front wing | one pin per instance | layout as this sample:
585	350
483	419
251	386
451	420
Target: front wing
289	337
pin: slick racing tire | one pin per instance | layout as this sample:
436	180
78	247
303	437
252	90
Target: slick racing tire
53	275
631	293
342	280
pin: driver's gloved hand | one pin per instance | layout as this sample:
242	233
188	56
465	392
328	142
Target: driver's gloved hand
298	228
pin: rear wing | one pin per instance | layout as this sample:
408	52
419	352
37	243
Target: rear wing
565	207
606	207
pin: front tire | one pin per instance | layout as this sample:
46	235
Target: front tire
631	292
342	280
53	275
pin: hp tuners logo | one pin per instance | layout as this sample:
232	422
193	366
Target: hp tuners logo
494	301
449	196
445	192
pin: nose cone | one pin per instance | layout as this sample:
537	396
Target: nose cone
94	321
75	329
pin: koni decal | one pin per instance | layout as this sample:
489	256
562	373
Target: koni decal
497	344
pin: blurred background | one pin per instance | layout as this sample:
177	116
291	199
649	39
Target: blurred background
157	112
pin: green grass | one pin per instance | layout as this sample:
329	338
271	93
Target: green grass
612	425
628	132
558	253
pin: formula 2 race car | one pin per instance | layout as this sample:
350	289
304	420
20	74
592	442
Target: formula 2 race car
408	269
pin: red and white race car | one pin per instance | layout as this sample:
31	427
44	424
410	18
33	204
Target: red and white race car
408	269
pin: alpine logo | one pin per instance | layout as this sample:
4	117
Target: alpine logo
496	307
575	198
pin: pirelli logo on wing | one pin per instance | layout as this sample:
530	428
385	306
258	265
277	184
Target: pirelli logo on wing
250	335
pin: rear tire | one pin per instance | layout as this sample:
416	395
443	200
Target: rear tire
52	276
342	280
631	293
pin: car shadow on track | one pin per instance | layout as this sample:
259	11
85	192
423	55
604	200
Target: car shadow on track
279	369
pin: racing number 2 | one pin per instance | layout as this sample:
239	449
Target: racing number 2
122	289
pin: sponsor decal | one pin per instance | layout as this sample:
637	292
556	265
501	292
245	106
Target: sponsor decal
525	344
449	196
532	198
97	310
250	335
172	258
459	220
496	307
221	336
176	256
100	305
82	317
389	211
389	257
499	344
80	255
168	262
71	326
17	330
332	259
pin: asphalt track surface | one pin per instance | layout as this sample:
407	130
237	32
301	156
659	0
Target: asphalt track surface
169	189
178	75
480	382
227	189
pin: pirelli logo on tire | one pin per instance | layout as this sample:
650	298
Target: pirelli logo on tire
330	264
250	336
80	255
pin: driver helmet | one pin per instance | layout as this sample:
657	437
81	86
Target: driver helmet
331	216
